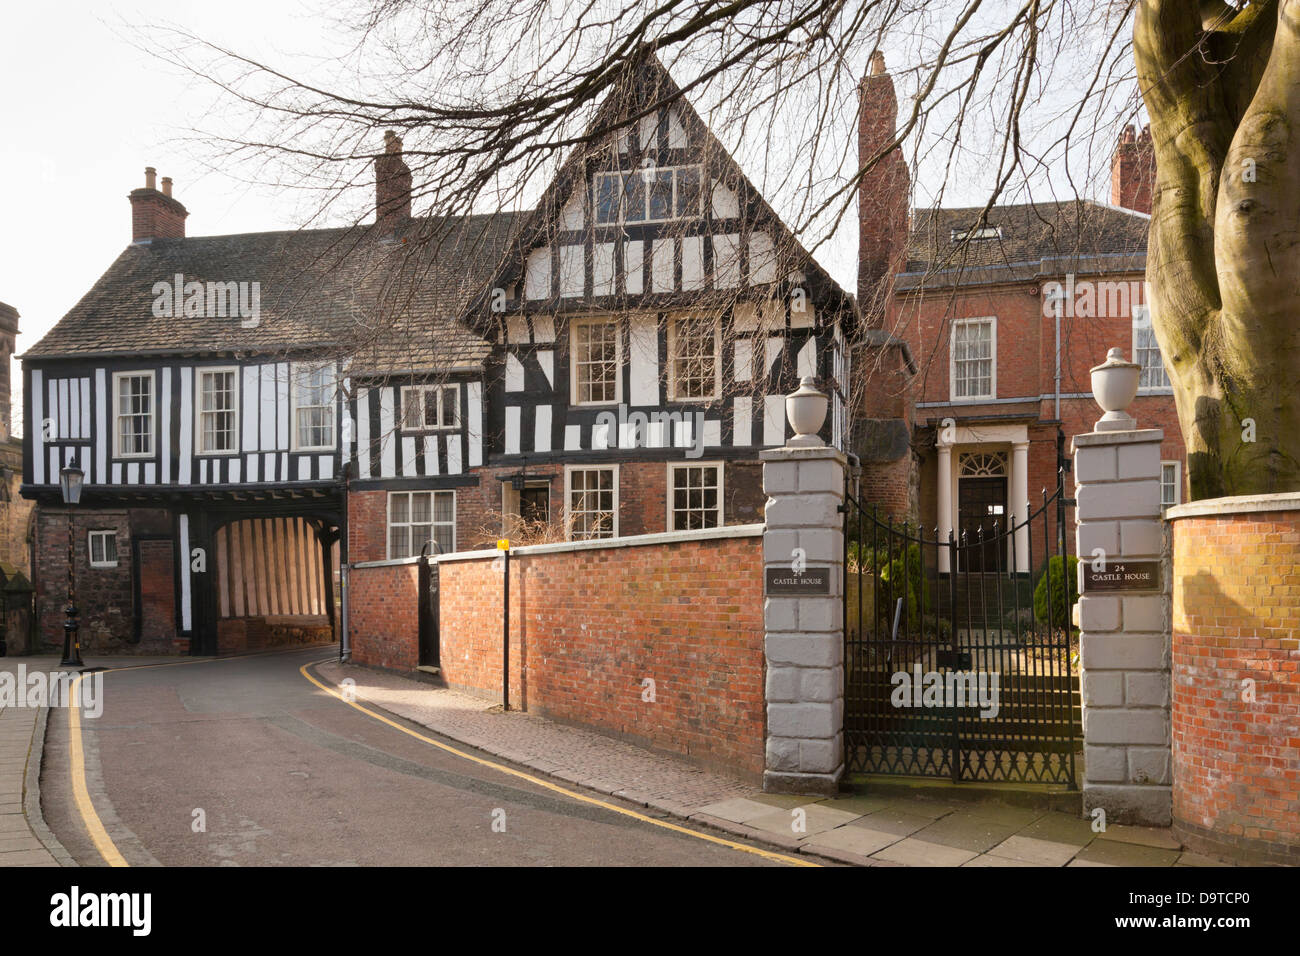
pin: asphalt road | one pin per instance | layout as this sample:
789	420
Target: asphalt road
279	773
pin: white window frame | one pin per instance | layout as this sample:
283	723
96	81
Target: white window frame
673	319
420	390
621	218
296	370
992	322
108	534
1178	484
117	414
1142	321
199	413
674	466
575	387
388	518
568	495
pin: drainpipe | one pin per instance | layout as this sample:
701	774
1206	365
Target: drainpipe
345	636
1058	297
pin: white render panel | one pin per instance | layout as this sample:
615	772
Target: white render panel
187	423
546	359
542	428
185	570
512	429
661	265
602	269
726	261
101	439
600	436
726	204
537	274
762	259
712	433
234	470
85	408
514	373
266	414
165	389
543	328
453	455
633	264
676	131
572	438
648	131
475	393
644	358
744	365
248	404
36	425
742	419
572	273
516	330
363	432
807	361
805	317
775	344
282	405
692	262
744	317
430	454
304	468
408	455
774	420
387	434
252	461
571	216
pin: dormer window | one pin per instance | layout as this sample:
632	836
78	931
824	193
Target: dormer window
976	234
649	194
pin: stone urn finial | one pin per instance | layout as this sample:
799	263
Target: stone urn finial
1114	386
806	410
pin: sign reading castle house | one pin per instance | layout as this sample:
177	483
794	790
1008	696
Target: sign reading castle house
1123	576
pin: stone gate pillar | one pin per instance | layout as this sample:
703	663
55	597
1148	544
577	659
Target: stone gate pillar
803	559
1123	612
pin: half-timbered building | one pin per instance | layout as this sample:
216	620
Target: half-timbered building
252	410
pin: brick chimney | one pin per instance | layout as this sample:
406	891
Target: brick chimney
881	430
154	214
392	185
882	193
1133	170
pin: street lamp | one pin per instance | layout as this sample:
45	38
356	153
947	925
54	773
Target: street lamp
70	479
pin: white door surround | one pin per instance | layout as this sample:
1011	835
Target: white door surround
983	439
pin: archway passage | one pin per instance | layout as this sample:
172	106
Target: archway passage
274	583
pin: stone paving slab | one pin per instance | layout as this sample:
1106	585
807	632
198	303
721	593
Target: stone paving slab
853	829
19	845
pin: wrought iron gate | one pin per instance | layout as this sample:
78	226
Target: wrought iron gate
949	670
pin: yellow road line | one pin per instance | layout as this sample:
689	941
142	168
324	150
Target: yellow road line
546	784
80	793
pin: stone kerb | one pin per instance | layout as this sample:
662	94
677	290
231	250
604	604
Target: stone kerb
804	645
1124	634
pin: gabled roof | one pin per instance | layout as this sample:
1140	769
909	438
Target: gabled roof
391	302
648	85
1022	241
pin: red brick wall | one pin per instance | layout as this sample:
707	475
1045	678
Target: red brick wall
589	626
383	616
105	596
642	496
1236	762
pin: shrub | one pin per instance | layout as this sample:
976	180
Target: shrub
1059	610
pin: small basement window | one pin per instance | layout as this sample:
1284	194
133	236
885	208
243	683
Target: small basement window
103	549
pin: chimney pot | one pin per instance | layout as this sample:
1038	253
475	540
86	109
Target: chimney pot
150	180
166	185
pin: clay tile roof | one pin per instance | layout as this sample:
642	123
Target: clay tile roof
388	302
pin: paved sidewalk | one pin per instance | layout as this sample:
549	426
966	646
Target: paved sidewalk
852	829
19	845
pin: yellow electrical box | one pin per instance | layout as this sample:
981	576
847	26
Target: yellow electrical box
503	544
